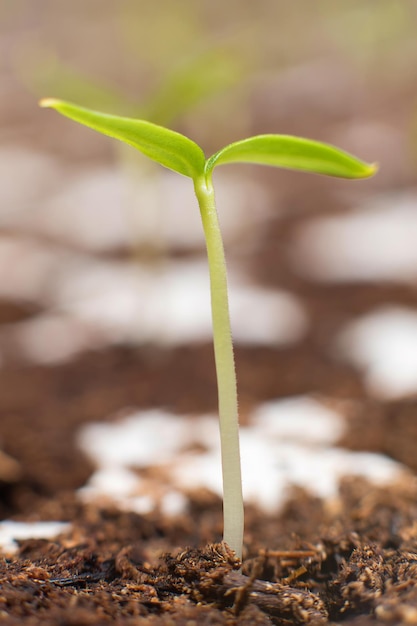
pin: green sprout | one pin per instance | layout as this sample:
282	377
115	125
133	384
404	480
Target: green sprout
180	154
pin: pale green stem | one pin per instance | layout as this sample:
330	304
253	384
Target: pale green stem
225	369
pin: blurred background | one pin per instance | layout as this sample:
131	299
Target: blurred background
102	250
70	199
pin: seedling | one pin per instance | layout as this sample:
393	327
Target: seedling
178	153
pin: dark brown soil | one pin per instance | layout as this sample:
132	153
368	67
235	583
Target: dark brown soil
354	563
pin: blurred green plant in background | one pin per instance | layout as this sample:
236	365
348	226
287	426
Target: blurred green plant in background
178	90
170	86
179	65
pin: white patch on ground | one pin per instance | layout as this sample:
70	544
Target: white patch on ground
288	442
374	243
50	338
169	304
27	177
94	303
11	532
384	345
25	269
299	419
87	211
138	440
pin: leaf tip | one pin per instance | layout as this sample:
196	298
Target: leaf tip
373	168
369	170
48	103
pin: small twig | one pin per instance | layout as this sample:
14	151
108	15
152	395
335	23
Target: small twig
294	575
79	579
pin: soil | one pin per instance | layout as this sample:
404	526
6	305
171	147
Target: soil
350	562
353	561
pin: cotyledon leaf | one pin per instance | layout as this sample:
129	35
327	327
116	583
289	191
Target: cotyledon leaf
167	147
292	153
